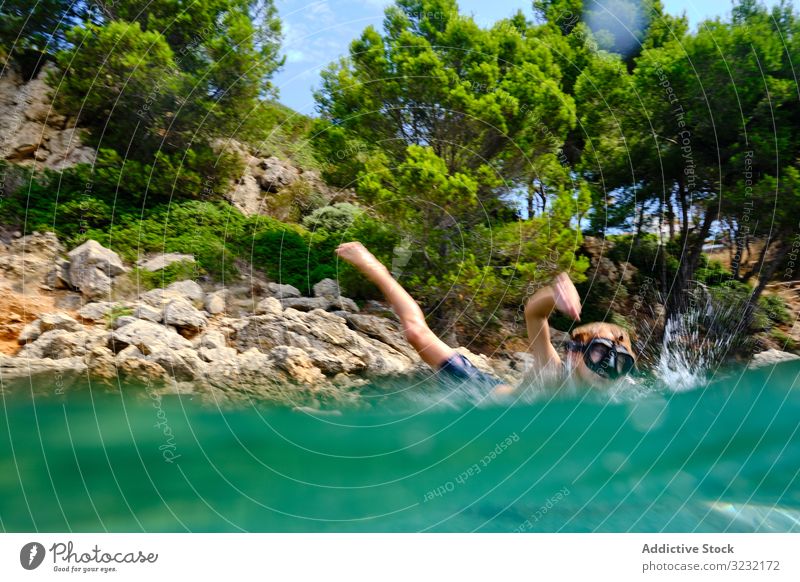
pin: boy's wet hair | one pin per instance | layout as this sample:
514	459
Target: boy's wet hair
584	333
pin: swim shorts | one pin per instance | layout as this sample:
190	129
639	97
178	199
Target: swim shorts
459	368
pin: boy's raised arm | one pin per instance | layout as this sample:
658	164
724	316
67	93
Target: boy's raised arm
561	295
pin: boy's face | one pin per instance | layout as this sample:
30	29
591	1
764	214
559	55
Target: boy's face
586	375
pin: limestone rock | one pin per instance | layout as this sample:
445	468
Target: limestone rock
54	375
263	332
269	306
57	344
246	195
141	370
163	260
343	304
188	289
273	174
32	258
101	363
306	303
97	310
123	320
280	291
327	288
181	364
159	298
183	315
92	267
34	130
148	312
297	364
384	330
217	354
147	337
30	332
212	339
771	357
58	276
63	321
216	302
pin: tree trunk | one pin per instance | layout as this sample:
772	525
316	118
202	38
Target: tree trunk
530	202
670	217
690	257
684	211
764	278
640	221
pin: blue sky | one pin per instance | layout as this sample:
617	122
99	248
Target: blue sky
319	31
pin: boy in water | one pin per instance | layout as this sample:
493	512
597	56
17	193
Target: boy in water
599	353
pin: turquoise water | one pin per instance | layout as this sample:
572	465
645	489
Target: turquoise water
725	457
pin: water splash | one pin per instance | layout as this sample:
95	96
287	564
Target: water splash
698	342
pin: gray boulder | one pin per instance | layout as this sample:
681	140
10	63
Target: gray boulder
63	321
273	174
148	312
45	374
218	354
181	364
147	337
123	320
343	304
269	306
297	364
283	291
164	260
58	276
97	310
327	288
305	303
216	301
159	298
771	357
183	315
30	332
330	344
212	339
47	322
188	289
91	268
384	330
59	343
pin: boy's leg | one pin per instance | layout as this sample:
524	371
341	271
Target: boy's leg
430	348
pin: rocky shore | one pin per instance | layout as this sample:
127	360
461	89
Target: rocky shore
72	318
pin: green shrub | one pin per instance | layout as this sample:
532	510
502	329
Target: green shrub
775	308
115	313
711	272
785	340
336	218
179	271
284	254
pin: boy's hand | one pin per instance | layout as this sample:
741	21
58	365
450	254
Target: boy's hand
566	297
357	255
